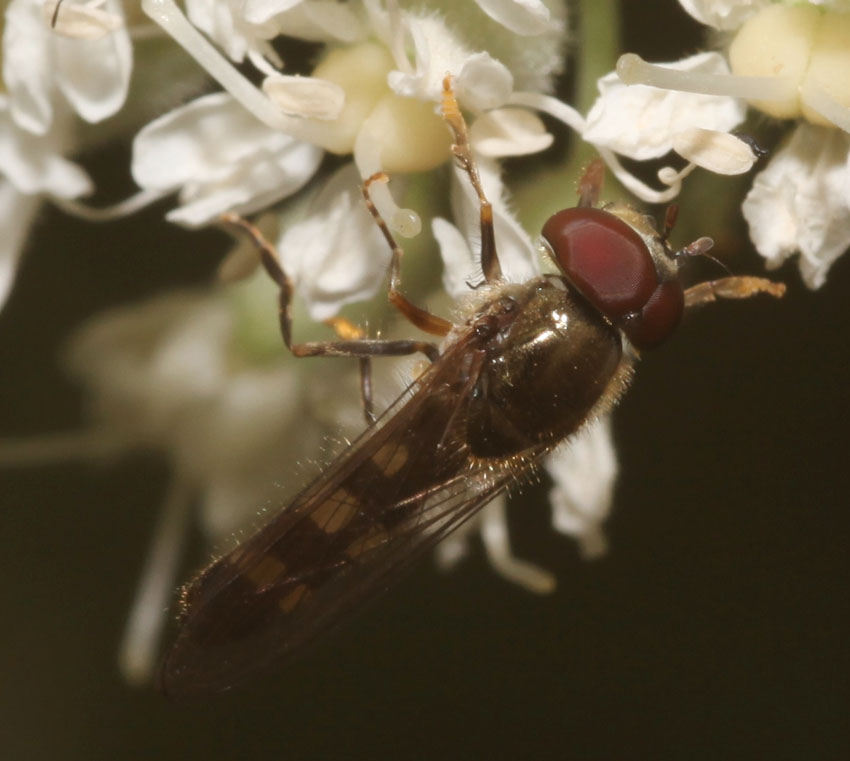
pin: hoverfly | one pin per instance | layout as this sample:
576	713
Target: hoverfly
529	365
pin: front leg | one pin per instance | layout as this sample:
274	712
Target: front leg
352	342
736	287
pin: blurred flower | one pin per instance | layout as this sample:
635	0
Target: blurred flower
48	74
31	168
171	375
90	70
790	62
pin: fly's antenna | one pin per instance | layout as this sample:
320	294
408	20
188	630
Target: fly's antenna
700	247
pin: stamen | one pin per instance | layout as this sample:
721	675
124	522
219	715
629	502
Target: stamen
670	176
552	106
716	151
107	213
139	649
87	21
168	15
633	184
573	119
265	65
305	96
494	535
367	158
633	70
818	100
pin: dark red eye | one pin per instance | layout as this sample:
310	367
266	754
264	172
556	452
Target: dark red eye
612	267
658	318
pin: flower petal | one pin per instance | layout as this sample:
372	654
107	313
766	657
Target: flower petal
436	51
640	122
584	472
314	20
483	82
32	165
94	74
523	17
801	202
27	66
459	266
250	186
723	14
16	214
716	151
509	132
221	157
336	255
82	22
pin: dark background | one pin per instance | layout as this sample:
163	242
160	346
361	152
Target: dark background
715	628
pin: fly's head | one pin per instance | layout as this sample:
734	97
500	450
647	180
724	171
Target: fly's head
623	266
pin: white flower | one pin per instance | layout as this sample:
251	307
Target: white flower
169	375
16	214
801	202
790	61
91	72
584	470
346	257
220	158
315	20
374	95
31	168
524	17
723	14
642	122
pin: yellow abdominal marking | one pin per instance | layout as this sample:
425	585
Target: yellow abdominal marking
390	458
368	541
288	603
335	512
267	571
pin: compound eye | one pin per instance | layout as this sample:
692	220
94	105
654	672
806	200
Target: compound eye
659	317
604	258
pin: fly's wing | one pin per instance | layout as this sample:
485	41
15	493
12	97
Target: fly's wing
396	492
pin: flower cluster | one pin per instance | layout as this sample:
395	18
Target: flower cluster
788	61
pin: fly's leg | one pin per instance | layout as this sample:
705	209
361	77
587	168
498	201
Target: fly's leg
463	155
352	342
590	184
421	318
739	287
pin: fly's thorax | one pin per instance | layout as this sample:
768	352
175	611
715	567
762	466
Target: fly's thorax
544	369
